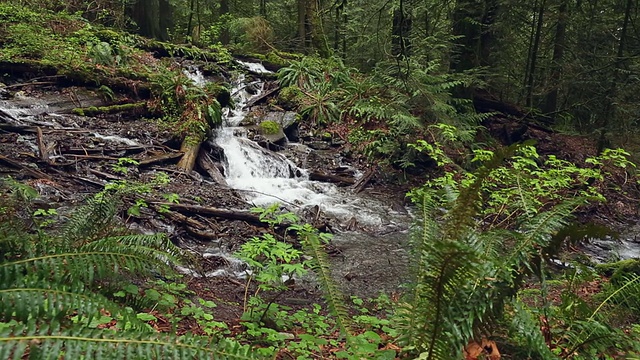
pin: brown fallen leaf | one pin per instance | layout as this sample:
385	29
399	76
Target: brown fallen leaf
486	349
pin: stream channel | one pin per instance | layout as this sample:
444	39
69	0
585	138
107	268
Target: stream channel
371	259
371	230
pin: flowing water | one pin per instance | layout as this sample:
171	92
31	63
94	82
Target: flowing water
372	258
368	263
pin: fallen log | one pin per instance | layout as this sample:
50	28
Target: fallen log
242	215
364	180
139	108
44	155
262	96
193	226
79	76
320	176
206	164
158	159
104	175
190	149
26	169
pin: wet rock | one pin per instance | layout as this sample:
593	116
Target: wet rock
319	145
4	93
272	132
249	120
253	88
288	122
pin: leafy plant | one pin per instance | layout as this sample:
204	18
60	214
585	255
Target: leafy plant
464	275
53	291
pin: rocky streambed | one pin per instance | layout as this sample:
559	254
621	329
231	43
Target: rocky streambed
68	157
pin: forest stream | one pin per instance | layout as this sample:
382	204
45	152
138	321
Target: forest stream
371	229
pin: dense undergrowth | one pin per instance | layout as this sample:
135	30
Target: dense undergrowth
483	251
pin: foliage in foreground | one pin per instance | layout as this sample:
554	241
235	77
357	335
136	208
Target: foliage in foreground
56	281
469	273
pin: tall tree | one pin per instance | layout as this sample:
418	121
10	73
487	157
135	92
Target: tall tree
559	44
146	14
401	30
534	51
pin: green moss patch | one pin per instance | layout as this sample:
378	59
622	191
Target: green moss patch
269	127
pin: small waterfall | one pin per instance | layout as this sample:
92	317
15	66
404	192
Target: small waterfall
265	177
194	73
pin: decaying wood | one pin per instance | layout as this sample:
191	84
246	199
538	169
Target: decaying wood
26	169
205	162
41	146
193	226
190	150
30	83
261	97
90	78
242	215
320	176
95	183
18	129
5	116
364	180
159	159
104	175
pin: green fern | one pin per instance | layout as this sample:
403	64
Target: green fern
43	286
43	341
462	283
320	264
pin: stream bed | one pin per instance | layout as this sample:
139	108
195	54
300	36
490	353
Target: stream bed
371	255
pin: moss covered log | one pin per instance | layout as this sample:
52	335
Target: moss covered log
137	108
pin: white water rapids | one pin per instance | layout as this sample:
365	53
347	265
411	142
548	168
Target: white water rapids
265	177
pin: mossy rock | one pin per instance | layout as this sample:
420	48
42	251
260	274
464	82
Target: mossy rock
620	270
272	131
290	97
269	127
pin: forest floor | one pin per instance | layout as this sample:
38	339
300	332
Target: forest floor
69	158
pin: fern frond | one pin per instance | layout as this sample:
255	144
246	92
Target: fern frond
42	341
157	246
430	319
42	303
536	232
333	296
83	266
91	221
525	326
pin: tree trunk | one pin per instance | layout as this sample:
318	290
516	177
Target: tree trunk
153	18
467	18
263	8
488	36
224	32
302	20
317	39
551	101
400	32
146	14
165	20
190	18
611	108
190	148
534	54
